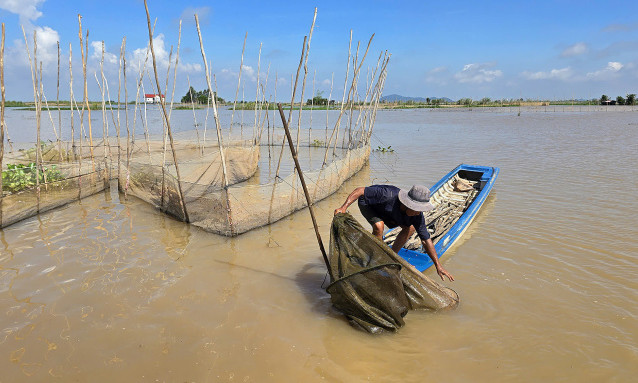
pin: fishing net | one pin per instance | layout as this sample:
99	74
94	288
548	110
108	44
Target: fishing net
373	286
29	189
145	168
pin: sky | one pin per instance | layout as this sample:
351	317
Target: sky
475	49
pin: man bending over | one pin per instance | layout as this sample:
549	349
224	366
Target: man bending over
390	206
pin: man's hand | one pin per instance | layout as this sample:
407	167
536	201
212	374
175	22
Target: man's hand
442	272
340	210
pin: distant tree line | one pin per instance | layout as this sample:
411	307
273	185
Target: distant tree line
620	100
200	97
318	99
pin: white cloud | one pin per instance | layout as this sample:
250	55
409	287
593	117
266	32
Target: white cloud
439	69
326	82
478	73
47	49
558	74
606	73
47	38
109	58
26	9
249	72
139	56
575	50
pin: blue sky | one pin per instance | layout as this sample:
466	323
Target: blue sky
476	49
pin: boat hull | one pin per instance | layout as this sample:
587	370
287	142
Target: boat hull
486	176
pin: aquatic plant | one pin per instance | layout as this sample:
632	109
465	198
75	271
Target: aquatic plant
18	177
384	150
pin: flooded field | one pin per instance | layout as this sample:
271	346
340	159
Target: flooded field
109	289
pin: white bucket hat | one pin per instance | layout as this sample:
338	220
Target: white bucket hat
417	198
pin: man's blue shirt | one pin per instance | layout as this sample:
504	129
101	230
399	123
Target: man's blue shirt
384	201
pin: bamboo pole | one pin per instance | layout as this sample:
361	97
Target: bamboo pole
115	123
105	126
170	111
41	95
2	123
86	94
241	65
355	76
179	40
292	102
262	120
305	189
168	123
46	104
219	131
128	133
328	108
343	100
364	110
312	106
118	125
305	75
38	105
59	111
257	91
145	118
71	101
34	79
243	108
142	68
384	74
101	87
190	90
355	81
273	117
208	100
261	105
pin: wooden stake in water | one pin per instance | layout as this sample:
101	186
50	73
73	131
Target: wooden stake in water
241	65
292	102
219	131
305	75
59	111
305	190
118	126
86	94
168	123
1	118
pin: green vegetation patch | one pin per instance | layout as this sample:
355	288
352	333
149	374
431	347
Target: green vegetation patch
19	177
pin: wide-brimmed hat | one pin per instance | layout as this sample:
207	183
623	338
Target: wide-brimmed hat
417	198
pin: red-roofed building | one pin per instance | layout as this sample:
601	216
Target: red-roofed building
153	98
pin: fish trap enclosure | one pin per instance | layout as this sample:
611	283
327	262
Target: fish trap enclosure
214	183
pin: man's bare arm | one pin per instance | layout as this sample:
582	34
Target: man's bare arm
356	193
428	245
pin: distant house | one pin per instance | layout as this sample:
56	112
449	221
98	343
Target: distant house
608	102
153	98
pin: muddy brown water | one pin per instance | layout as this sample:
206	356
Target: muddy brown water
108	289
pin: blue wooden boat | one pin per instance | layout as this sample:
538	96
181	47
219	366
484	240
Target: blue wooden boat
457	197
